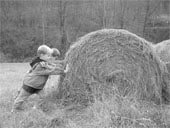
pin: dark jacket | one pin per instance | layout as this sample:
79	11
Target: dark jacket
38	75
35	60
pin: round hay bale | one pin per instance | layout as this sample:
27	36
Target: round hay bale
108	63
163	50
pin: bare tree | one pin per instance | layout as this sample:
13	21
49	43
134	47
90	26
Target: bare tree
62	6
104	13
151	8
122	13
146	16
43	19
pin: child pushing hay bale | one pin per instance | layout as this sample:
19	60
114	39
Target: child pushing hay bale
117	77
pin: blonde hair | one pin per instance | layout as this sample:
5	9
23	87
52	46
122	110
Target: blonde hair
55	52
43	49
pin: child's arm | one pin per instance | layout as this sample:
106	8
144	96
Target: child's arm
57	63
51	65
47	65
57	70
63	62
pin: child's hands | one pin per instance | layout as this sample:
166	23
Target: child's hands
66	69
43	64
28	71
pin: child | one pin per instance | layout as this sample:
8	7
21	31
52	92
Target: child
36	78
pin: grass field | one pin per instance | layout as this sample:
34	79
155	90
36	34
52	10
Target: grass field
11	76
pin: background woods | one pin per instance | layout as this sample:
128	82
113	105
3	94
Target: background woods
25	24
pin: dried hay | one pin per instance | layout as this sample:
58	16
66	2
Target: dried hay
163	50
111	62
118	76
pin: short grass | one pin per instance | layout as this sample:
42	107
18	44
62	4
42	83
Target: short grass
11	78
49	115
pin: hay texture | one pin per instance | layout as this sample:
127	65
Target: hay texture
163	50
111	63
114	80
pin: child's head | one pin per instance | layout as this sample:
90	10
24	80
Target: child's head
44	52
55	53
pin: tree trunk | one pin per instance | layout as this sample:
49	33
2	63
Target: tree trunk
63	34
146	17
122	5
104	14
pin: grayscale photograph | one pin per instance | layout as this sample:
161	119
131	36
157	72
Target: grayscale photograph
84	64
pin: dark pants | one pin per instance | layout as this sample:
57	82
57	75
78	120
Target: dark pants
24	94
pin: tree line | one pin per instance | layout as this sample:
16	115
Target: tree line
26	24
